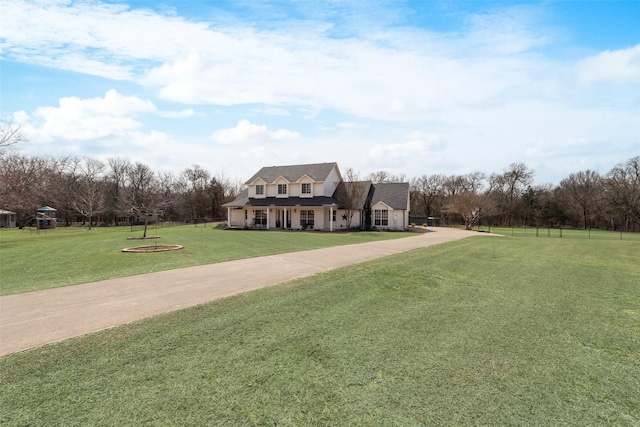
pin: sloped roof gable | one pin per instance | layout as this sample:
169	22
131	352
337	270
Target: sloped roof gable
292	173
393	194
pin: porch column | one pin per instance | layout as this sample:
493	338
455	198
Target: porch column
330	218
285	218
229	217
268	209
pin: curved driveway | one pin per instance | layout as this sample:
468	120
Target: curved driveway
37	318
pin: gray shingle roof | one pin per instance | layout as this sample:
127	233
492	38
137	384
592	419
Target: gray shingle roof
393	194
288	202
243	200
316	171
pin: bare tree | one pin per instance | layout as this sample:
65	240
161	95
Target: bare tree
169	188
351	195
10	134
583	189
623	191
428	191
87	196
475	181
143	197
380	177
196	179
508	187
28	182
454	184
470	206
116	181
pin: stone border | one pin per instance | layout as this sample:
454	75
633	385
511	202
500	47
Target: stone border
152	248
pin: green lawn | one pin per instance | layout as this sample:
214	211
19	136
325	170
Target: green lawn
483	331
31	260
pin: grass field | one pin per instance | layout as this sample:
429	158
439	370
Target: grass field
483	331
31	260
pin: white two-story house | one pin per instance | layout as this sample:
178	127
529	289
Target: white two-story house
314	196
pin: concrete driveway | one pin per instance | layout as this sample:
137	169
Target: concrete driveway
37	318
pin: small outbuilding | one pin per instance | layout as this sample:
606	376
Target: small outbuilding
7	219
46	217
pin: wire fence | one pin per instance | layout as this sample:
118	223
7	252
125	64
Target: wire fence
563	233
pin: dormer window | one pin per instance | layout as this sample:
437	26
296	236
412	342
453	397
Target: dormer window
259	189
282	189
306	188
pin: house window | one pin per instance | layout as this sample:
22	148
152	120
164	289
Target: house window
306	188
261	217
307	218
381	217
333	218
282	189
259	189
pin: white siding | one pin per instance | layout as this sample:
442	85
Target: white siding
397	219
252	189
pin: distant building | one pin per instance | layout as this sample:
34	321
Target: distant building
7	219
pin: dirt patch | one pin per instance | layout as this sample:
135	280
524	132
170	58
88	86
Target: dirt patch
153	248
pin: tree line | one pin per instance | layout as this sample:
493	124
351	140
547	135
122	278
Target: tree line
119	191
584	199
115	192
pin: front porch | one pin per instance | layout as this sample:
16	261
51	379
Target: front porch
324	218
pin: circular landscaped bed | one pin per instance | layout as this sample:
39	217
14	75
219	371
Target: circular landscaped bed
153	248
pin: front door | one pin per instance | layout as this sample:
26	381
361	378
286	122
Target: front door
280	220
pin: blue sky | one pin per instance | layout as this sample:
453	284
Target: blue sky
410	87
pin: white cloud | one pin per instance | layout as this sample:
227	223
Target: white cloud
512	31
389	74
189	112
416	144
108	40
274	111
483	95
247	133
618	66
89	119
351	125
